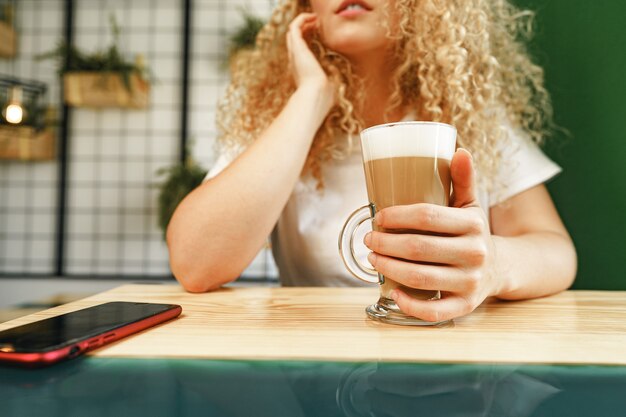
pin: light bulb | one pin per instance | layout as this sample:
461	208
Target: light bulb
14	113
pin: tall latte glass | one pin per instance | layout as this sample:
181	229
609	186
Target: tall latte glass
405	163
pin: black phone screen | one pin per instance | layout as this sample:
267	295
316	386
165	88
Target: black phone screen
52	333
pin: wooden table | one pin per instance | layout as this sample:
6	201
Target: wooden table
329	324
312	352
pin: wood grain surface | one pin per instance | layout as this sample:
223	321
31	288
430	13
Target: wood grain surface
574	327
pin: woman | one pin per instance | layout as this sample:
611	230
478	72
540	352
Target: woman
288	162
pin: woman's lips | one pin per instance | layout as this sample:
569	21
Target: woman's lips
352	8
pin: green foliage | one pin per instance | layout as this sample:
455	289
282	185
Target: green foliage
245	36
180	180
108	60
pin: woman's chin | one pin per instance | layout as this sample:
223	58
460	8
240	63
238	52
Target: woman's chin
354	47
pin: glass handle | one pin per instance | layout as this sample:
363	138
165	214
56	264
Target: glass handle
346	245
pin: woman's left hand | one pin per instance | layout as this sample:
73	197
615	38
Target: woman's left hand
458	258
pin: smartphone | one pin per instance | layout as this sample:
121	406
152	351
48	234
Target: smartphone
66	336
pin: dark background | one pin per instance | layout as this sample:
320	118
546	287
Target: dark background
582	46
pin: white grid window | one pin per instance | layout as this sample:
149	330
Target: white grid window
113	154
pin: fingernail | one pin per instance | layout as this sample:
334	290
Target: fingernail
367	239
372	258
467	152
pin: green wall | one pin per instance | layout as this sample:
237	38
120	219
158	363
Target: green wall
582	46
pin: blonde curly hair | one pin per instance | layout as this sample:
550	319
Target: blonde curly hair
462	62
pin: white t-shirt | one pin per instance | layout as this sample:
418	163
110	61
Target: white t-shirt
304	240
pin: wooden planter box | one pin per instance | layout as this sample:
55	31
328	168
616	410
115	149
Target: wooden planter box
24	143
8	46
98	89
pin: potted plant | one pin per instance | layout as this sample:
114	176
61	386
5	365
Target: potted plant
102	78
179	181
8	44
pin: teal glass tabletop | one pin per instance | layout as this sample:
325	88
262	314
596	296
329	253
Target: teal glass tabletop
159	387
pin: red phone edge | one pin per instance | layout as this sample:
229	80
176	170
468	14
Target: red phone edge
76	349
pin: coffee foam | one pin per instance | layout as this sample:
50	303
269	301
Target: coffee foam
425	139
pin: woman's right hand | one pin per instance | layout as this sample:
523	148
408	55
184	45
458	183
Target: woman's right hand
306	70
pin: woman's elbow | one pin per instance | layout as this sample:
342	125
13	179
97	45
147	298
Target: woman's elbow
572	269
565	262
196	287
197	278
197	273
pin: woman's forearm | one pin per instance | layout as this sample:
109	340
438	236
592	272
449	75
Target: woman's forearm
534	264
218	228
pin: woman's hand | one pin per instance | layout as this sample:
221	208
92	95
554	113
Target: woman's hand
306	70
459	260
